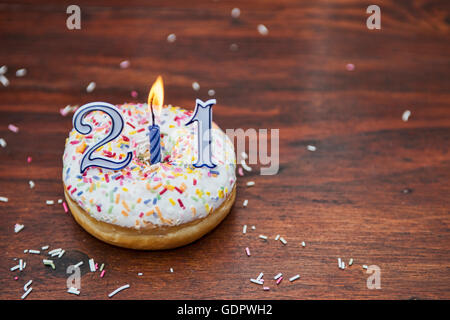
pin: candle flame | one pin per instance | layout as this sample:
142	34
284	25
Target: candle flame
156	95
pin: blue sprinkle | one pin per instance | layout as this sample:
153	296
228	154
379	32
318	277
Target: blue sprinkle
154	200
147	201
80	193
68	170
96	178
214	172
115	189
79	177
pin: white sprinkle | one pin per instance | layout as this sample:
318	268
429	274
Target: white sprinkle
256	281
31	183
339	263
26	294
54	251
195	86
61	253
4	80
78	264
44	247
140	273
250	183
34	251
50	202
25	251
244	229
21	266
234	47
365	266
235	13
343	265
266	288
263	237
262	29
25	287
3	69
91	86
277	276
171	38
247	250
18	227
125	64
277	237
350	262
260	276
292	279
244	155
2	142
60	200
406	115
171	270
21	72
245	203
73	291
245	166
283	240
118	290
253	228
303	244
211	92
15	268
3	199
311	148
92	265
50	263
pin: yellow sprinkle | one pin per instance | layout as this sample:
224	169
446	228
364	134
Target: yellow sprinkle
81	148
220	194
171	201
125	189
171	188
207	207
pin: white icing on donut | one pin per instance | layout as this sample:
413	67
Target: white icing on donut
169	193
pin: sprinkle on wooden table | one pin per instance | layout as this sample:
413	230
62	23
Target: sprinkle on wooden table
303	244
91	87
253	228
292	279
279	280
247	250
21	72
350	262
240	171
124	64
73	290
61	253
262	29
260	276
350	66
244	229
261	236
234	47
311	148
3	69
102	266
13	128
4	80
339	263
195	86
277	237
140	274
18	227
50	202
34	251
21	265
118	290
365	266
3	199
211	92
245	166
406	115
26	293
2	143
14	268
65	207
343	265
250	183
266	288
245	203
102	273
235	13
29	159
31	183
256	281
60	201
171	38
171	270
25	287
283	240
48	262
277	276
45	247
78	264
91	265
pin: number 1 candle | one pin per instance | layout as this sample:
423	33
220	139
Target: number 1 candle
155	97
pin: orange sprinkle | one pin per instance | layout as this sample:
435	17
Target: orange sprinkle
157	186
194	211
125	205
117	198
161	217
150	213
139	200
124	213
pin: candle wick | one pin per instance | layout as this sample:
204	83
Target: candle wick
153	115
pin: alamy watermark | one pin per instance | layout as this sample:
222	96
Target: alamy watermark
374	280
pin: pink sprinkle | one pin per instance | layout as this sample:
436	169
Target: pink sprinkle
350	67
16	278
63	111
279	280
247	250
96	266
102	274
241	172
65	207
125	64
181	204
13	128
29	159
141	215
134	94
266	288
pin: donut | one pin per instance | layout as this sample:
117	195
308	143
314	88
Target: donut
149	206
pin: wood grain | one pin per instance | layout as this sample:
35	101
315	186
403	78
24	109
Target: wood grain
375	190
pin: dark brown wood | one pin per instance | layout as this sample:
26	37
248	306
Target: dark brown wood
376	190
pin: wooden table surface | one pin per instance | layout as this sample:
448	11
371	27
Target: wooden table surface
375	190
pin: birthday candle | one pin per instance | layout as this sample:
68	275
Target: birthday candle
156	96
